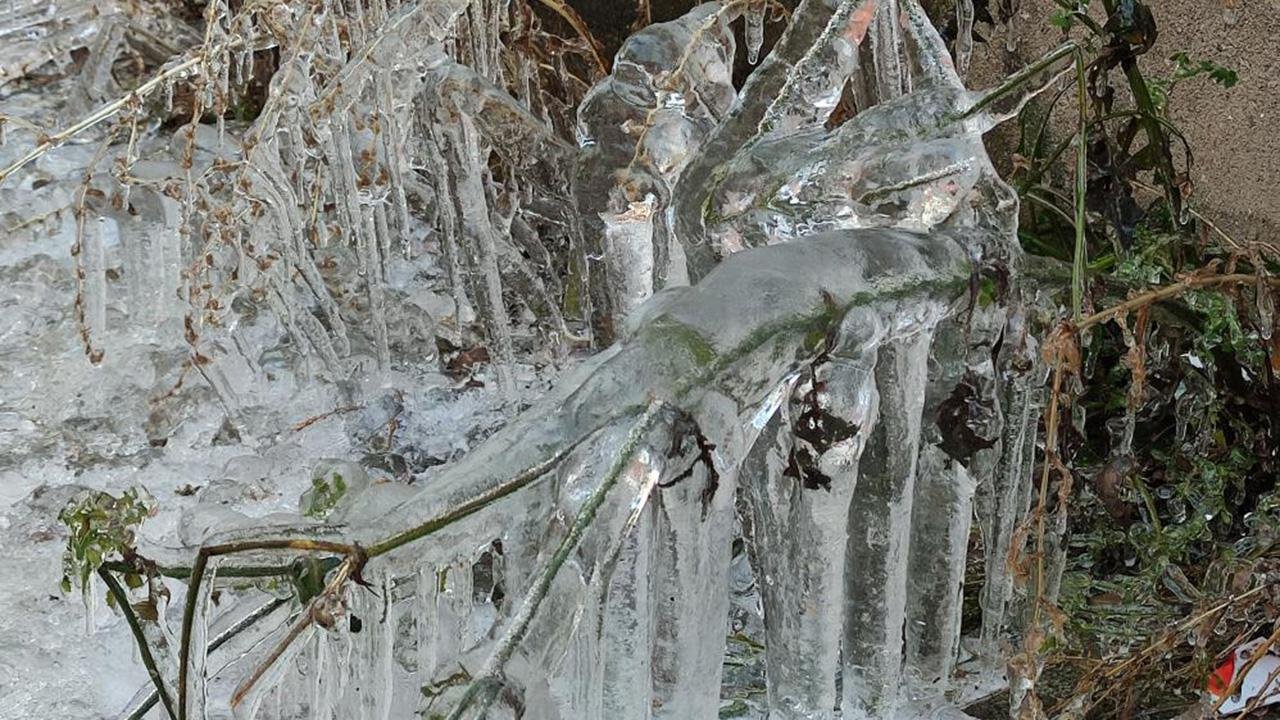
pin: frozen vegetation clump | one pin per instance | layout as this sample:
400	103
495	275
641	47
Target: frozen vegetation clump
473	377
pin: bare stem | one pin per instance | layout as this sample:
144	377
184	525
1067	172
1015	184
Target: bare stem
1080	257
469	507
179	572
1016	80
103	113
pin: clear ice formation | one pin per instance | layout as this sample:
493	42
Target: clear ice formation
790	272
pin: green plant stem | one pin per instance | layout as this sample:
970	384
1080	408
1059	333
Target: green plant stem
486	682
179	572
473	505
1080	14
821	318
307	620
144	648
1080	258
1150	502
222	639
1149	119
1034	194
1016	80
142	710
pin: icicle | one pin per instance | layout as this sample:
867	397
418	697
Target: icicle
371	270
964	36
1005	501
628	633
474	211
689	571
800	485
96	77
294	247
447	225
939	548
91	295
393	148
755	29
886	37
168	97
879	535
629	254
250	708
738	128
198	685
382	231
639	128
960	445
813	88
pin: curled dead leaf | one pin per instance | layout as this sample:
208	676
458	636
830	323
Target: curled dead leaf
1062	347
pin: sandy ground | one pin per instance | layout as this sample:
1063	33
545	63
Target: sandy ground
1235	134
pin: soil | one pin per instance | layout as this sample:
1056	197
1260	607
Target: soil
1234	133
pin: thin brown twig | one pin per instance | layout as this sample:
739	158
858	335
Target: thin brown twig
105	112
1266	686
571	16
308	618
644	16
1173	290
1230	241
1238	678
308	422
1104	671
1051	453
197	577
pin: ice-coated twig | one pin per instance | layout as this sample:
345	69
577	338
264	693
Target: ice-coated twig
1017	80
197	577
484	686
105	112
310	616
687	344
140	639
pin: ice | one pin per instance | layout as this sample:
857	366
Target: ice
348	316
639	128
876	568
960	447
755	29
800	485
964	35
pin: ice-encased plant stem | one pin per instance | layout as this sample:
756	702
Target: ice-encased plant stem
695	354
415	128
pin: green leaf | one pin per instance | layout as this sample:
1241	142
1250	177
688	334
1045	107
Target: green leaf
1188	68
101	527
1062	20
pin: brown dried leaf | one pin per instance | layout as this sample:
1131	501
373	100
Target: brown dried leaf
1062	347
